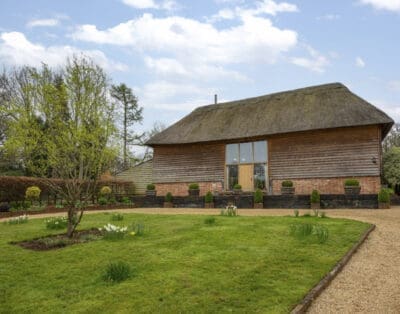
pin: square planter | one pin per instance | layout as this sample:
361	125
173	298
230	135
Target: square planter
384	205
237	191
194	193
151	193
209	205
285	190
315	206
258	205
352	190
168	205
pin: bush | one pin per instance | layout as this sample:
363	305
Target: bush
351	182
193	186
287	184
315	197
209	220
117	217
168	197
117	272
126	200
105	191
383	196
237	187
151	187
56	223
33	193
258	196
112	201
102	201
208	198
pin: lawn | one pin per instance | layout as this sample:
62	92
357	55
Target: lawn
180	264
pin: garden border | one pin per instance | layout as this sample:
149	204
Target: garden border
324	283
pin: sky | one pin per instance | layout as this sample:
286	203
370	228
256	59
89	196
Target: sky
176	54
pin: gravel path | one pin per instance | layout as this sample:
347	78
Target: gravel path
369	283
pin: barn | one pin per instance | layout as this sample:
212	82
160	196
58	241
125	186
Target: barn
317	137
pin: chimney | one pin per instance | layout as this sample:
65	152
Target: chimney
215	99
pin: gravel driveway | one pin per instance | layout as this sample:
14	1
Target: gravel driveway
369	283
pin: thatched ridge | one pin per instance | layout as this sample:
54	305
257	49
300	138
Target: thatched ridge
311	108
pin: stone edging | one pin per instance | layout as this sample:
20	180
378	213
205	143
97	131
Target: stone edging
316	291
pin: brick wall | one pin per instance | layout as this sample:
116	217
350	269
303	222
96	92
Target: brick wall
181	189
369	185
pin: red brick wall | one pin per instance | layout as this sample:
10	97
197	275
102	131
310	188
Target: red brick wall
369	185
181	189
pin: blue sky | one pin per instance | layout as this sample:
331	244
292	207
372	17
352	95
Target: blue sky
177	54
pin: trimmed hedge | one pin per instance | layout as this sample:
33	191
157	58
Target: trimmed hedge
352	182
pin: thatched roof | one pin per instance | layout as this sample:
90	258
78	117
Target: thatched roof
311	108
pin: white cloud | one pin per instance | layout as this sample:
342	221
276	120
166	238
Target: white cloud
43	22
316	62
329	17
394	86
391	109
168	5
360	62
16	49
388	5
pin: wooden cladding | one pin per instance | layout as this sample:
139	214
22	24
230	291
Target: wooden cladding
140	175
189	163
343	152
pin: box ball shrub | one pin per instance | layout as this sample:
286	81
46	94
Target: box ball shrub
32	193
193	186
258	196
237	187
208	198
151	187
168	197
384	196
287	184
315	197
351	182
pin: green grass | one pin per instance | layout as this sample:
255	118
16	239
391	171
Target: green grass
246	264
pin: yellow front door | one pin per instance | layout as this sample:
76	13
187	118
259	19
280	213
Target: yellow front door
246	177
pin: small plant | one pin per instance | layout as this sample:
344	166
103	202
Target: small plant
117	272
208	198
351	182
105	191
32	193
150	187
168	197
383	196
305	230
117	217
323	215
102	201
287	184
230	211
315	197
316	212
112	232
258	196
237	187
112	201
126	200
193	186
18	220
321	233
296	213
209	220
136	229
306	215
56	223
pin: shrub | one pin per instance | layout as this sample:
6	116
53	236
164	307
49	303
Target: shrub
56	223
151	187
351	182
305	230
383	196
193	186
315	197
126	200
112	232
209	220
321	233
102	201
17	220
237	187
230	211
117	272
287	184
306	215
136	229
208	198
105	191
112	201
4	207
296	213
117	217
258	196
168	197
33	193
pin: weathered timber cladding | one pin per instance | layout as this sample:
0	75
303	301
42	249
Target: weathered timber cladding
189	163
346	152
140	175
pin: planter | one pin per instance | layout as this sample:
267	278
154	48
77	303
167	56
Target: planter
352	190
151	193
286	190
315	206
194	192
237	191
384	205
258	205
168	205
209	205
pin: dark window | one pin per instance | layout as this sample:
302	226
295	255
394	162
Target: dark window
259	176
232	176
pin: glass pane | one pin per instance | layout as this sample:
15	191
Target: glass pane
246	153
260	151
232	153
259	176
232	176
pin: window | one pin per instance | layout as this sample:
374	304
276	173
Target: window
232	154
259	176
232	174
260	151
246	153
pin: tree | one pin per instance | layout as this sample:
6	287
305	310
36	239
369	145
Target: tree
157	128
391	166
71	120
392	139
131	114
